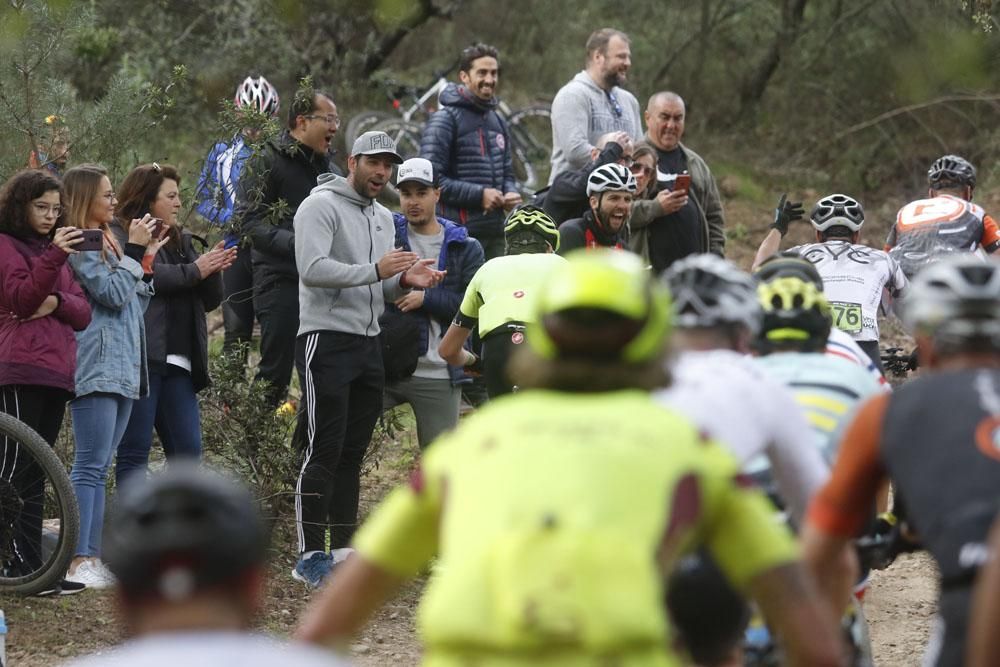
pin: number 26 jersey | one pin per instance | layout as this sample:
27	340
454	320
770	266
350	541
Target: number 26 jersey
857	280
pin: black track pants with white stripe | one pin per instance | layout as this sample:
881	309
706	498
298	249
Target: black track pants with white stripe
342	381
41	408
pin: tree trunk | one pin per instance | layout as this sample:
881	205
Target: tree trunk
754	87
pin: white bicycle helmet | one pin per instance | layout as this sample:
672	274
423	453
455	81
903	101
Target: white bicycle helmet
610	178
259	94
837	210
955	299
708	291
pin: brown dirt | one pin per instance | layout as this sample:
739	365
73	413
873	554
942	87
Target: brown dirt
43	632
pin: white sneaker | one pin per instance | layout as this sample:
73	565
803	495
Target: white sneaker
105	572
92	575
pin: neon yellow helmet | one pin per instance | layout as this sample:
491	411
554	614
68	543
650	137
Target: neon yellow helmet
795	311
535	221
601	304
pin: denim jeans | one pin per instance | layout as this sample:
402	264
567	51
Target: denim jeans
99	421
172	408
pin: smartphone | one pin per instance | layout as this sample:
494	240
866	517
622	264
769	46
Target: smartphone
93	239
157	228
682	183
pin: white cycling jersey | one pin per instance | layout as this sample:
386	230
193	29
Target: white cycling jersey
857	280
750	413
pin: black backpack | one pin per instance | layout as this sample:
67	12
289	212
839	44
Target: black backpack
400	340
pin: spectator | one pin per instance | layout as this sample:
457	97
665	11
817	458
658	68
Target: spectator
190	550
567	197
468	143
433	390
610	189
648	204
593	103
52	154
341	230
216	193
271	188
187	285
41	306
690	224
111	353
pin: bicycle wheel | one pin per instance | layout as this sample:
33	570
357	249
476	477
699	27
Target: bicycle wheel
531	149
39	517
362	122
406	134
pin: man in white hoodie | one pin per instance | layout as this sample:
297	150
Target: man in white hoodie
348	268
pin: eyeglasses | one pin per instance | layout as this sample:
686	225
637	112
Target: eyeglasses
639	168
626	162
45	209
110	196
615	106
331	119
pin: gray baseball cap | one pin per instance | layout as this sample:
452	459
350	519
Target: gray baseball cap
416	169
376	143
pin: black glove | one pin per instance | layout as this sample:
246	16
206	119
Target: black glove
786	213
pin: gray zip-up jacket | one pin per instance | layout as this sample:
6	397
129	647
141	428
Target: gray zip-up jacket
339	238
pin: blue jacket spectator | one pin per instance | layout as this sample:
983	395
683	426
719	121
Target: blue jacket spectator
469	145
461	256
216	191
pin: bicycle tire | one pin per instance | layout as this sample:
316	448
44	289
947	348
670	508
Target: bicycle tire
406	135
362	122
531	147
62	501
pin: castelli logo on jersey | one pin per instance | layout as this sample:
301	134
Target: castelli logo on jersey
500	142
519	294
517	338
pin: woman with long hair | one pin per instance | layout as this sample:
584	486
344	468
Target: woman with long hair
41	306
187	285
111	352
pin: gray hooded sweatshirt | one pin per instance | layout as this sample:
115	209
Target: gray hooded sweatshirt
339	237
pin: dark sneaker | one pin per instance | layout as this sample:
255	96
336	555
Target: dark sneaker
63	587
314	570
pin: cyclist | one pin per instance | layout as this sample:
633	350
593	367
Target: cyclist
499	300
935	436
611	189
189	549
568	570
216	198
567	197
717	314
944	223
838	344
984	643
858	281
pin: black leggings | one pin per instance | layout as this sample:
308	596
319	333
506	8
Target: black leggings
871	348
498	345
41	408
237	308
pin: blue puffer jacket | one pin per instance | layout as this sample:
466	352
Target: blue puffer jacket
469	145
461	256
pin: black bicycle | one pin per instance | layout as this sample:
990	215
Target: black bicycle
39	517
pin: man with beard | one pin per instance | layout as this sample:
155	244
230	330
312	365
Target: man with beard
593	103
273	184
611	189
692	220
348	269
468	143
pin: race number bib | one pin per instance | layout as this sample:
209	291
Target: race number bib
846	316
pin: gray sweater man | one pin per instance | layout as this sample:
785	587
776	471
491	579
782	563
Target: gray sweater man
593	103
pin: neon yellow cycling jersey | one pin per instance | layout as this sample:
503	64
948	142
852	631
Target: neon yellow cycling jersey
504	289
553	519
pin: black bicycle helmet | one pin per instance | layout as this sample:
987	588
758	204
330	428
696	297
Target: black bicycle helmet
182	530
837	210
796	314
788	263
950	171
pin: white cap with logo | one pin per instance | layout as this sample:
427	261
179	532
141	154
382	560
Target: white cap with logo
416	169
376	143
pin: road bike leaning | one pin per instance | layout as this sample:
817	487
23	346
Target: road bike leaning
35	491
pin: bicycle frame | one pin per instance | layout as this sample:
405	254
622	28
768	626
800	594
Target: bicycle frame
420	103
